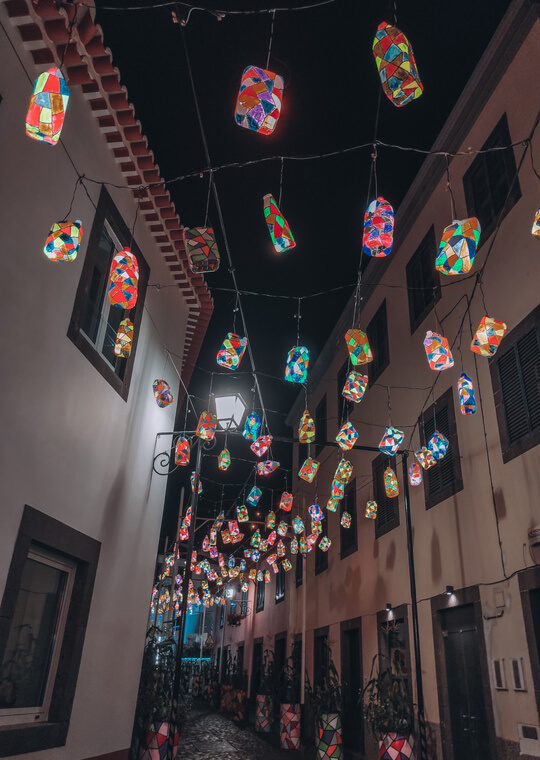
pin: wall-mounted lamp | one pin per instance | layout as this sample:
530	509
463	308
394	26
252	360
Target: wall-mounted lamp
449	590
229	593
388	607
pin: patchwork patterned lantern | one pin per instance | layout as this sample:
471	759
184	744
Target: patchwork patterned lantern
415	474
297	365
438	445
425	457
192	481
124	339
258	105
396	65
280	231
253	574
325	543
457	248
124	280
286	501
254	496
391	441
47	110
252	427
355	387
371	510
298	525
201	248
63	241
316	527
358	347
256	539
303	545
224	460
182	451
272	538
286	565
271	520
343	472
536	225
316	513
308	470
271	559
378	228
488	336
438	351
263	545
294	546
347	436
306	429
267	576
232	350
332	504
226	536
467	402
260	576
233	528
338	490
282	528
261	445
391	487
206	429
346	520
162	393
267	468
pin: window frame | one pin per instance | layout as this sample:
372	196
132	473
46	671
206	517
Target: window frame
259	597
381	461
280	584
350	490
375	370
422	253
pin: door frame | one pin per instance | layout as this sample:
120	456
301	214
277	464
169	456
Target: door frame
469	595
349	625
528	581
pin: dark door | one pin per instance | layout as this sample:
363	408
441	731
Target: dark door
279	654
256	668
351	678
464	681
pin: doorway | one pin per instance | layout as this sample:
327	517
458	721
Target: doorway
256	664
351	678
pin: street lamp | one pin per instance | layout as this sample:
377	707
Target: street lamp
230	411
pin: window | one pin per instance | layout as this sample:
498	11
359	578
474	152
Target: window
321	560
515	376
491	179
443	479
349	536
94	322
344	406
422	280
299	569
320	425
243	603
260	596
280	584
387	509
377	334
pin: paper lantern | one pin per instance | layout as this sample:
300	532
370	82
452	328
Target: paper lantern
201	248
294	546
391	441
162	393
347	436
267	468
47	110
63	241
258	105
286	565
267	576
438	445
324	544
343	472
192	481
280	232
378	228
224	460
338	490
425	457
396	65
536	224
261	445
306	429
415	474
457	248
355	387
124	280
252	427
358	347
254	496
297	365
124	339
286	501
182	451
391	487
272	537
371	510
298	525
316	513
467	402
271	520
232	350
256	539
282	528
438	351
206	429
332	504
346	520
308	470
488	336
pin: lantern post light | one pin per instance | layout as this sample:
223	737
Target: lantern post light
230	411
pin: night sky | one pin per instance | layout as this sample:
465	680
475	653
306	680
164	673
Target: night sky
329	104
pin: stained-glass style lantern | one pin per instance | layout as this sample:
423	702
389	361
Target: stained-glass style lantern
355	387
308	470
242	513
316	527
124	280
438	351
316	513
438	445
226	536
425	457
233	528
63	241
488	336
224	460
371	510
271	559
267	576
47	110
124	339
231	562
391	487
205	544
343	472
260	576
415	474
232	350
358	347
206	429
282	528
294	546
396	65
286	565
306	429
254	496
244	587
347	436
467	402
252	427
325	543
298	525
272	538
218	522
297	365
267	468
258	105
536	225
280	232
332	504
261	445
286	501
192	481
253	574
457	248
237	538
263	546
391	441
256	539
201	248
378	228
346	520
303	545
182	451
338	490
162	393
271	520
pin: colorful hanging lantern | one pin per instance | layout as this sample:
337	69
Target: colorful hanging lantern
182	451
162	393
536	225
378	228
254	496
263	546
258	105
316	527
297	365
201	248
343	472
63	241
308	470
47	110
355	387
371	510
280	232
294	546
260	576
233	528
467	402
236	539
415	474
253	574
347	436
256	539
206	429
306	429
192	481
488	336
124	339
272	538
338	490
224	460
218	522
271	520
267	576
438	351
261	445
438	445
391	441
252	427
396	65
298	525
425	457
303	545
286	565
286	501
325	543
282	528
390	483
346	520
267	468
358	347
232	350
457	248
332	504
316	513
226	536
231	563
271	559
124	280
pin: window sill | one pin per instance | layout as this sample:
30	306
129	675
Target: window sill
16	740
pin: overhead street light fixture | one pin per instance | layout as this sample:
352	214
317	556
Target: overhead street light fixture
230	410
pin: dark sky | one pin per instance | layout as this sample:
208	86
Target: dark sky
329	103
